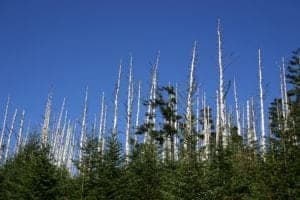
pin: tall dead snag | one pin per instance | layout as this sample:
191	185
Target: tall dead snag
237	110
66	144
60	148
24	142
129	111
104	128
151	118
4	125
253	120
9	134
248	123
19	137
83	125
57	133
94	128
283	90
261	97
218	130
45	128
116	105
243	122
223	127
251	126
176	138
137	112
206	126
197	120
100	135
189	107
71	150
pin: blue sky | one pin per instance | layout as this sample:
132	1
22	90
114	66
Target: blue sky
68	45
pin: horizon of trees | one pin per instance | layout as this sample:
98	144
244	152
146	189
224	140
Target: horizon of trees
173	154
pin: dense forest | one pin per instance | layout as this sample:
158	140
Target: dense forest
189	155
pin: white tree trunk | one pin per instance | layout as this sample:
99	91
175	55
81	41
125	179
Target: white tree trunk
83	125
67	144
45	127
189	107
243	122
284	98
207	133
19	138
197	121
253	119
104	129
9	134
237	110
71	150
100	135
137	112
26	135
57	133
285	89
129	112
151	118
251	125
261	97
4	125
62	140
116	105
223	123
218	130
176	138
249	140
94	129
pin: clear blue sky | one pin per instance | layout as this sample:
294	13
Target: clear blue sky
68	45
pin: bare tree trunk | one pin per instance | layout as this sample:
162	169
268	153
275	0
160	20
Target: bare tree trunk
94	129
243	123
189	108
100	135
83	125
19	138
151	118
9	134
129	112
45	127
24	142
62	138
176	138
237	110
137	112
58	126
207	133
248	124
261	96
197	121
284	98
104	129
67	144
4	125
223	123
218	129
116	106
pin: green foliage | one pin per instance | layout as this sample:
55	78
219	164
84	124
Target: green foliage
31	175
143	174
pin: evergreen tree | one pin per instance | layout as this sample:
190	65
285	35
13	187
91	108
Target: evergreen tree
31	174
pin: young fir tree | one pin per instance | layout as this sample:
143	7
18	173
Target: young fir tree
32	175
284	144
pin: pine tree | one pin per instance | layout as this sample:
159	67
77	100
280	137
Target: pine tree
31	175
